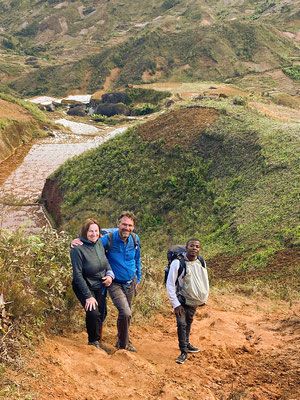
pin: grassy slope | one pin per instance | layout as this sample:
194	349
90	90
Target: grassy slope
234	184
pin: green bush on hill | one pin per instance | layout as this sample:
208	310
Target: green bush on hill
293	72
140	95
35	278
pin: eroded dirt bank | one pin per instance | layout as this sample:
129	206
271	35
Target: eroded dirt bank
249	350
18	128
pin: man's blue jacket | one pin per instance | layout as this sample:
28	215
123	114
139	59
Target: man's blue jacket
125	260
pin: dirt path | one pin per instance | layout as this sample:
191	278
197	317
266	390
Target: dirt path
249	350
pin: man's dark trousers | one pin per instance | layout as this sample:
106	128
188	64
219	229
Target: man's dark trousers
122	295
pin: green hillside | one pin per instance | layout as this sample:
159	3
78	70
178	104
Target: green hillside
220	172
217	52
56	47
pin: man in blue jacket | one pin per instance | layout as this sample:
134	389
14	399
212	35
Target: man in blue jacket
125	260
123	254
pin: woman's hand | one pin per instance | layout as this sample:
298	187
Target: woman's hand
107	280
90	304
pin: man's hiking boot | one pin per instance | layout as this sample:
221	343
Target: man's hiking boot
192	349
100	346
128	347
96	343
181	359
105	348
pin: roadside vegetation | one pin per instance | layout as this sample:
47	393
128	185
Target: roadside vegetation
35	292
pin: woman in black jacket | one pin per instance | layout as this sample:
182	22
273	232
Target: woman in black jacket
92	274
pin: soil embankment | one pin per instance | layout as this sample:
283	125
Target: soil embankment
17	127
53	198
249	350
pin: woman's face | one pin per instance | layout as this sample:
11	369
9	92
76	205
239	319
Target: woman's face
93	233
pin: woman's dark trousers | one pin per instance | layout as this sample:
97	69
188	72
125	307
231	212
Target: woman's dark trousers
94	318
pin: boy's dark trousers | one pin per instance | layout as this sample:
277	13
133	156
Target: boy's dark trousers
184	322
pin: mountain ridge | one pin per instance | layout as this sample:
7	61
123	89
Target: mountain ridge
65	37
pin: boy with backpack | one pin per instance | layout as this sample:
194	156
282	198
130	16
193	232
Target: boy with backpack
187	287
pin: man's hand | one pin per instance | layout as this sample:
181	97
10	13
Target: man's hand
90	304
179	311
76	242
137	287
107	280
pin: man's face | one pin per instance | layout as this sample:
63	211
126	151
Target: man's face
126	226
193	249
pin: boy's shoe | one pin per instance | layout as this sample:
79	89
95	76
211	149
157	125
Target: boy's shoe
181	359
192	349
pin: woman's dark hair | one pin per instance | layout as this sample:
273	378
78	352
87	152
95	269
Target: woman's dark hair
86	225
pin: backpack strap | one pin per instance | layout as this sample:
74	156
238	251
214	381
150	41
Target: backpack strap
182	267
109	242
135	240
202	261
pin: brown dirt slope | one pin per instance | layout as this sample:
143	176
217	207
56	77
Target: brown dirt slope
14	111
172	126
281	270
249	350
17	129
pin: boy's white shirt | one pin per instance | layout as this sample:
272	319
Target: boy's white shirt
171	282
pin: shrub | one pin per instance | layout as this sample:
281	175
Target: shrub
35	278
293	72
145	109
240	101
8	44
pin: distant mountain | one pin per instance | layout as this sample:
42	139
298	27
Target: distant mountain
54	47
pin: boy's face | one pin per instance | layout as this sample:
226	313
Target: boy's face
193	249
